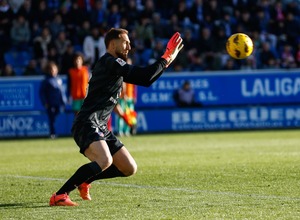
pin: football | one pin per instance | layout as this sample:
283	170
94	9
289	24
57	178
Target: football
239	46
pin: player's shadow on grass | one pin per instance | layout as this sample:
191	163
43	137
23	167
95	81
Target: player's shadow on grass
22	205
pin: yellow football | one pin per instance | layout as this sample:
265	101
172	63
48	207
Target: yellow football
239	46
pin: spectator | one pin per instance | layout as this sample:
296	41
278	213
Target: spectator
98	14
262	20
53	5
20	33
124	24
144	30
67	60
227	23
164	8
213	9
287	57
15	5
74	18
61	44
114	16
27	11
36	31
93	46
149	9
189	41
181	63
131	12
78	83
182	12
297	56
83	31
146	53
205	48
159	26
277	12
158	49
272	20
185	96
292	25
249	63
52	95
43	14
219	47
87	5
246	21
6	16
195	60
31	69
271	38
7	71
52	54
196	12
173	24
230	65
41	44
56	25
293	7
267	58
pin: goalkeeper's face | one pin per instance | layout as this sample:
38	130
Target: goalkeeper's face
123	47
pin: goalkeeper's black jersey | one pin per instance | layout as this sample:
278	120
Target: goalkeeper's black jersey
106	83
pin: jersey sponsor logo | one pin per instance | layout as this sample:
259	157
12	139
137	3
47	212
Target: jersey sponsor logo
121	62
100	133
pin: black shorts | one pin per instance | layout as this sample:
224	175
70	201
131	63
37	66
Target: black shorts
85	133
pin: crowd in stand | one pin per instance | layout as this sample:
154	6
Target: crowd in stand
54	30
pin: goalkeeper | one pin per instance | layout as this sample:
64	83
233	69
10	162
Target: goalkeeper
108	156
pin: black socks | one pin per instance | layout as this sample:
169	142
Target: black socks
83	174
110	172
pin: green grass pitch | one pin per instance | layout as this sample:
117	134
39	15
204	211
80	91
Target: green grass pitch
214	175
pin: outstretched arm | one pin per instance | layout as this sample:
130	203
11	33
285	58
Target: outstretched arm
145	76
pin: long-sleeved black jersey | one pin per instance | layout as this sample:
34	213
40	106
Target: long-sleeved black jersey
106	83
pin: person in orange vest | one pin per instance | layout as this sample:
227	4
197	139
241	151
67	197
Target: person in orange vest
78	82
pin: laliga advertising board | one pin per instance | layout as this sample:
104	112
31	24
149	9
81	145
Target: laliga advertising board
226	89
235	100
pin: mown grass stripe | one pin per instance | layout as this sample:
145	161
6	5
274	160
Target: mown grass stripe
231	194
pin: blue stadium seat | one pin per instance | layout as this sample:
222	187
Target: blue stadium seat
78	48
18	60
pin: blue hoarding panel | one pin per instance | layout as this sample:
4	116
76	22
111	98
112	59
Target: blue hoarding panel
21	93
15	96
219	119
231	101
212	89
225	89
32	124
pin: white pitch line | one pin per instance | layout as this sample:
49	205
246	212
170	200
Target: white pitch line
163	188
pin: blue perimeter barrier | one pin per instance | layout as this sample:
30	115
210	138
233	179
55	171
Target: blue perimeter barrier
231	101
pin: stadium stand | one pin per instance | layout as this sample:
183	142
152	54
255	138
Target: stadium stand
204	24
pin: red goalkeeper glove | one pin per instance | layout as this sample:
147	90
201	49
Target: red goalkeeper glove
173	47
